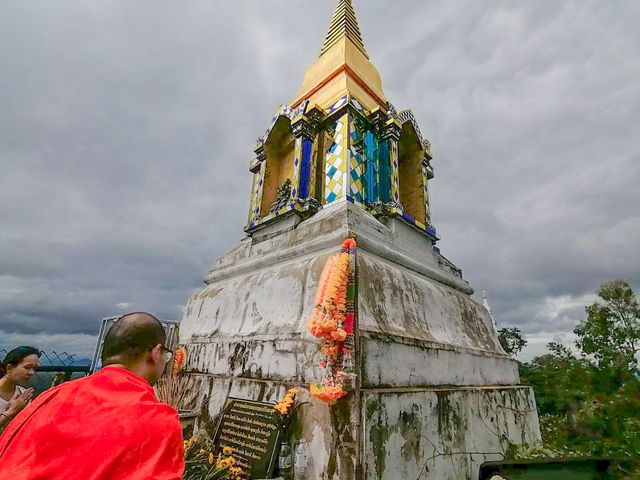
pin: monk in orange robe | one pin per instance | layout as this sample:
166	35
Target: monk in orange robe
108	426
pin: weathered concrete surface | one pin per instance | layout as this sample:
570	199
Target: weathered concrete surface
407	321
401	302
443	434
254	325
418	329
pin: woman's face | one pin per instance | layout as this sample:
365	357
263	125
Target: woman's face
24	370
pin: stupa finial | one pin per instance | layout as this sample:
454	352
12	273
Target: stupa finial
342	67
344	25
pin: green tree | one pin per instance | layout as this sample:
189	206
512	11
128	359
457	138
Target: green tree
512	340
562	384
560	379
589	403
611	331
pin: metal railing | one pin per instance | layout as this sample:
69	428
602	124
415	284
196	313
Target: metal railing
55	368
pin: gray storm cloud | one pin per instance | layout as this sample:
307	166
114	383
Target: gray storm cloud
126	129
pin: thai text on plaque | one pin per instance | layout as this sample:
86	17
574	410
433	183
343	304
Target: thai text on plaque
250	428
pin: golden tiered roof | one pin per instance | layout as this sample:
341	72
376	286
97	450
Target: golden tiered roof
343	66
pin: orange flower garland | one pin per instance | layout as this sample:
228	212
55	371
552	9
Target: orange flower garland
332	321
179	360
328	394
324	280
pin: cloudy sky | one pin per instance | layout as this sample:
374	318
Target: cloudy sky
126	129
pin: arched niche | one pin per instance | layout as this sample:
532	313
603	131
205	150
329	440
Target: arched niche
279	150
410	177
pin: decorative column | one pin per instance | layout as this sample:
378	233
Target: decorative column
378	168
258	168
425	178
302	165
389	156
371	167
427	174
314	118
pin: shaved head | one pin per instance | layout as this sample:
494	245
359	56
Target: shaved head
130	337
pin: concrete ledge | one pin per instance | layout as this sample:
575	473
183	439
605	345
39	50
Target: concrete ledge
327	229
293	357
445	388
387	364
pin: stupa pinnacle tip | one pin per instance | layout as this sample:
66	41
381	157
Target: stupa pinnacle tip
344	25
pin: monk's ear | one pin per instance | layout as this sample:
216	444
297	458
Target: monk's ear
157	353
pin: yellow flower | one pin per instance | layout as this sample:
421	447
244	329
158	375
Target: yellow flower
227	450
281	408
211	458
203	451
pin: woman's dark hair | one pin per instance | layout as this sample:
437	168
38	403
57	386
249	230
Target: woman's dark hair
15	356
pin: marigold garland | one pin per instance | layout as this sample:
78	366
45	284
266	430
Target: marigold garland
326	273
328	394
179	360
332	321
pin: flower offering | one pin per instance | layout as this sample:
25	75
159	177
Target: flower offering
332	321
201	463
284	406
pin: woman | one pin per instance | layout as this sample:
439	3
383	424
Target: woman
17	368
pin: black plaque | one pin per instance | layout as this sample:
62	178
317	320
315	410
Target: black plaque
251	429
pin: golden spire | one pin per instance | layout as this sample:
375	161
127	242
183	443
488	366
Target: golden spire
344	24
343	66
